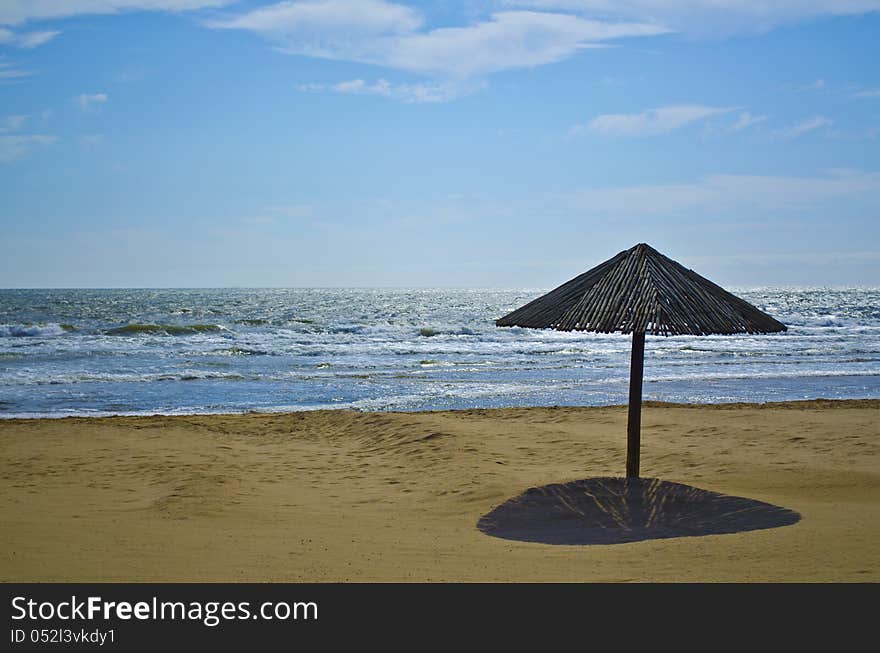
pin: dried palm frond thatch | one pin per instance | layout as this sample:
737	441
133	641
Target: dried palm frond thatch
640	289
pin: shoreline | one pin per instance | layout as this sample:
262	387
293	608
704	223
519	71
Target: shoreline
798	403
353	496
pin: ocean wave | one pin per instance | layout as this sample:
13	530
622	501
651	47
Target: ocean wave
34	330
416	400
745	376
165	411
164	329
346	328
429	332
831	321
396	349
111	377
238	351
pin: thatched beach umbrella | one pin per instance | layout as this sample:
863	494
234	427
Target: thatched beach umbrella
641	291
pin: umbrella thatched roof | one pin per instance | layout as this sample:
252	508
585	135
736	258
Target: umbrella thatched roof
642	290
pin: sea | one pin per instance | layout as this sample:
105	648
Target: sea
201	351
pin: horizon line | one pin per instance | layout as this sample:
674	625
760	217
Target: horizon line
417	287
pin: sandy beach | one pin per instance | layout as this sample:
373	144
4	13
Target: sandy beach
352	496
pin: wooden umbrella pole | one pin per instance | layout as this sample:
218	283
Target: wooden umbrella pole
634	423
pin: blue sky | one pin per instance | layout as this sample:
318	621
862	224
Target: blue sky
506	143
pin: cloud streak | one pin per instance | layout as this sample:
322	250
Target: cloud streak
709	17
660	120
746	120
16	12
15	146
11	72
26	40
392	35
407	93
724	194
89	101
12	123
805	126
289	19
516	39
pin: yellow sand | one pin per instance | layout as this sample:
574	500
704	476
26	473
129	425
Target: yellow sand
347	496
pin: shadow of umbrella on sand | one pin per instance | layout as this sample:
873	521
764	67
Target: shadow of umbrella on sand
638	291
621	510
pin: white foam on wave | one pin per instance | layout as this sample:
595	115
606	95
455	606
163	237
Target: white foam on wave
31	330
50	378
758	374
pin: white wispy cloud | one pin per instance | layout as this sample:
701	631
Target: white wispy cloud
16	12
805	126
15	146
746	120
372	17
709	17
34	39
13	143
409	93
88	101
381	87
9	71
660	120
728	194
614	80
515	39
26	40
853	91
395	36
129	76
816	85
12	123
